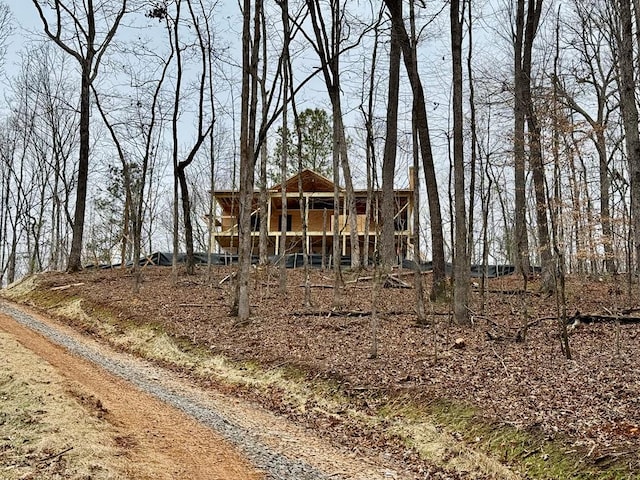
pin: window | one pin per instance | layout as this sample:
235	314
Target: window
321	204
289	222
400	224
255	222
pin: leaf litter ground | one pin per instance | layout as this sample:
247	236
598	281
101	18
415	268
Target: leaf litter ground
591	401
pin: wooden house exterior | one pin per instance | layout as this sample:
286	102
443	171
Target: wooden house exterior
318	196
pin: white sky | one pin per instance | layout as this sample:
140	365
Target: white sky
26	22
434	66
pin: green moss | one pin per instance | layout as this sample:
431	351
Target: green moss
46	299
528	451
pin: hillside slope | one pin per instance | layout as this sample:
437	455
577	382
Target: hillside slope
465	401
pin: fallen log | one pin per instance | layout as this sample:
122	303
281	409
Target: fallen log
394	282
517	291
391	281
66	287
321	285
602	318
197	305
346	313
227	278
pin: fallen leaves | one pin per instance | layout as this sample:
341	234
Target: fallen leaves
594	400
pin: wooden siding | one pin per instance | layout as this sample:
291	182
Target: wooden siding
318	198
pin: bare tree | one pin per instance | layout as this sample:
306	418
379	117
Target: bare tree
461	259
527	20
47	78
17	144
368	116
420	116
251	141
140	129
629	110
329	47
75	28
202	46
284	154
473	126
250	50
205	125
534	10
418	283
5	29
263	213
519	84
596	72
35	79
388	250
10	204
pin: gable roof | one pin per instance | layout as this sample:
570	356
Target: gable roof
311	182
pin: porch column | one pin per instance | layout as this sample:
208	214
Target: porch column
344	229
306	221
269	200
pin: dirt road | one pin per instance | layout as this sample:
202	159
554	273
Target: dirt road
158	440
167	428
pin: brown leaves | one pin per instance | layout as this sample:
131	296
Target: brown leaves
594	400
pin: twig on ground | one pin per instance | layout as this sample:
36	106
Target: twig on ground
501	360
54	456
199	305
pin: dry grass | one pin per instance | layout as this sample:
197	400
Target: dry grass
21	287
41	416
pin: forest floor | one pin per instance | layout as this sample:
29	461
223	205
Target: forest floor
502	386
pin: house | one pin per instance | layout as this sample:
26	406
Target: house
318	195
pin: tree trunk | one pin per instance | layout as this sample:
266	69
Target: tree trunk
630	120
521	246
83	30
284	161
4	209
264	158
247	158
186	214
542	222
534	8
474	139
461	261
351	197
418	283
138	217
437	238
605	200
303	201
174	40
387	240
11	260
202	132
338	286
370	147
75	255
264	207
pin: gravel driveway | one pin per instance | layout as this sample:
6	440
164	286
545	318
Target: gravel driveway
281	450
